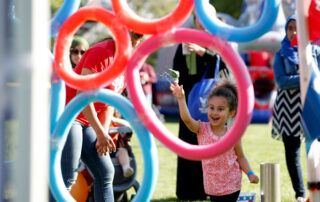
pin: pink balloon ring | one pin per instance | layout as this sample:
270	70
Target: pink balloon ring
149	118
63	43
152	26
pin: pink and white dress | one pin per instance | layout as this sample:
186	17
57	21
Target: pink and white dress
221	175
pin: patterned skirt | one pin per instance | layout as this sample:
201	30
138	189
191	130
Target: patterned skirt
286	118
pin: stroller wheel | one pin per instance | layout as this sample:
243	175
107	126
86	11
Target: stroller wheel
132	196
125	197
121	197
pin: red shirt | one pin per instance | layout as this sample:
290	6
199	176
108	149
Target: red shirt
97	58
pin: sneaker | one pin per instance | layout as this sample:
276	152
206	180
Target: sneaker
300	199
128	172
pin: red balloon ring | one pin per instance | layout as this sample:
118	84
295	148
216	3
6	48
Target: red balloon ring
63	43
152	26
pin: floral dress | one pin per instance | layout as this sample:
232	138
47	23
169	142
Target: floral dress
222	174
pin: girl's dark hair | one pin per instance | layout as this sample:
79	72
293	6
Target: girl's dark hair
227	90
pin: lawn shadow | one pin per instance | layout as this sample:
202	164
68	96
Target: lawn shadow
171	119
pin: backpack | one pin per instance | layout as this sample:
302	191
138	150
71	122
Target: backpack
198	96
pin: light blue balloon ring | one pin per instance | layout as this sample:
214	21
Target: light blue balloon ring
68	8
58	97
237	34
58	139
58	101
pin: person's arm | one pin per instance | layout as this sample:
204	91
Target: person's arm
199	50
107	117
152	74
104	142
244	163
283	80
178	92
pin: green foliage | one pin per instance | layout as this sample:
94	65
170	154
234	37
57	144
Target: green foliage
231	7
55	5
152	9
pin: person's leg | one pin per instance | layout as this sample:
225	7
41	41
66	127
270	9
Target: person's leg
123	158
292	152
149	98
233	197
100	166
70	157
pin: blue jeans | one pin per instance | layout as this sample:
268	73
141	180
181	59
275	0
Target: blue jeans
81	144
292	151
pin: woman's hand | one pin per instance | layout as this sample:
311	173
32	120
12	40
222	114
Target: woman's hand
195	48
254	179
105	144
177	90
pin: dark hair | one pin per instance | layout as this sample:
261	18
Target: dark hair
227	90
135	35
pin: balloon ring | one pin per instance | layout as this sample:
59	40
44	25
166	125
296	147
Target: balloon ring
152	26
64	39
241	34
243	81
58	139
58	97
68	8
58	101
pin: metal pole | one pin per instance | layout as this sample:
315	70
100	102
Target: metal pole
6	30
270	182
32	68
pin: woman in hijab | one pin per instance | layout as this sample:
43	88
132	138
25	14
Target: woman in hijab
286	119
78	48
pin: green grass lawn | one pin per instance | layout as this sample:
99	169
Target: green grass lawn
258	146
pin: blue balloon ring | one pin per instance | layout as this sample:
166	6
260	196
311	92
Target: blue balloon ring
68	8
59	136
237	34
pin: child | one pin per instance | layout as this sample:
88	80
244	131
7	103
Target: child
222	175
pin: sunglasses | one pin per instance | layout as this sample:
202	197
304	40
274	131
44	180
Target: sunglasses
76	51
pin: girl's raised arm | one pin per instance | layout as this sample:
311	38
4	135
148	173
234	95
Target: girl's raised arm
178	92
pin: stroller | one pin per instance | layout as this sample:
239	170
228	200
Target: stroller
120	183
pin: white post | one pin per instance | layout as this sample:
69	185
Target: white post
32	67
304	48
306	62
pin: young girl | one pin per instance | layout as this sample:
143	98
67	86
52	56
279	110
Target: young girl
222	175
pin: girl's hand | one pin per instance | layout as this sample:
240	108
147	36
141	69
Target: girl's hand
254	179
177	90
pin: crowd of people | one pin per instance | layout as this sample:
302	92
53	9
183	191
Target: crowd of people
220	178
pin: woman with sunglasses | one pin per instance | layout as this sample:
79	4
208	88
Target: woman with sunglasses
88	139
78	48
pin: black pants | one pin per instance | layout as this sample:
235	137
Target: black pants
189	173
292	151
233	197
